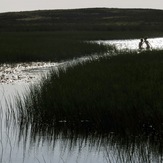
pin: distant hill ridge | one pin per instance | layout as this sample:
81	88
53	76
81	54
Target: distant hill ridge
89	19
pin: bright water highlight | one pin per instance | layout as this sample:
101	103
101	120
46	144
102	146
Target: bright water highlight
156	43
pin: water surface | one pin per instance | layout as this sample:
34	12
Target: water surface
21	145
132	44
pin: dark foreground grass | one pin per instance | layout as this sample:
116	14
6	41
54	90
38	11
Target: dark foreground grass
114	148
121	93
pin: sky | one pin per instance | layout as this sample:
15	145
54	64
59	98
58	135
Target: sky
28	5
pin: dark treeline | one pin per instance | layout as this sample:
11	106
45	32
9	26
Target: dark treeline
94	19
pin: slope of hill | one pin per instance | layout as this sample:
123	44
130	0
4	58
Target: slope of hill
93	19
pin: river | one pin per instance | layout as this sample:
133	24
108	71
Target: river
18	147
155	43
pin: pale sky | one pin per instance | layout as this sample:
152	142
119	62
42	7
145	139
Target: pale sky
27	5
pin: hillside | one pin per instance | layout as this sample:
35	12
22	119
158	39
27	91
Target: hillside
94	19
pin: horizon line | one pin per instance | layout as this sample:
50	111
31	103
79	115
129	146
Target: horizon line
78	8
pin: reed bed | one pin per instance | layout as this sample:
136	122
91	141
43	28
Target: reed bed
121	93
27	47
113	148
58	45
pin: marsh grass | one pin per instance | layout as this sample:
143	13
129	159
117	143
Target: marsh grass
121	93
113	147
90	19
58	45
26	47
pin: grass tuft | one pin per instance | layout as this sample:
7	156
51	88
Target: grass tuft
120	93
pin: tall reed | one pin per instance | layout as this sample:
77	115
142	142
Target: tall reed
27	47
120	93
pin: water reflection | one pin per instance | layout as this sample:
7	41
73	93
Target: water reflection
40	142
80	145
156	43
24	72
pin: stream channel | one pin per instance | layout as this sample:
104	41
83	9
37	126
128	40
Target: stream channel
24	148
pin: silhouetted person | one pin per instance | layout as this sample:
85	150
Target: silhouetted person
141	44
147	43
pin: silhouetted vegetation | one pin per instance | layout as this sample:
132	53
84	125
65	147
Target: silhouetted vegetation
121	93
56	46
102	92
103	102
112	147
58	34
23	47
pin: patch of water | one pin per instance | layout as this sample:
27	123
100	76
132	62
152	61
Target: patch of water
15	80
23	72
16	148
133	44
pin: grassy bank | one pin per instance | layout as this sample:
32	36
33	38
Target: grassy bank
56	46
54	35
120	93
58	34
24	47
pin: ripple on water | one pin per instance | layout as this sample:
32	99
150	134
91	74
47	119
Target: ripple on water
132	44
23	72
14	78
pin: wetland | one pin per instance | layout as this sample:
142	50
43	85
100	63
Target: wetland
87	95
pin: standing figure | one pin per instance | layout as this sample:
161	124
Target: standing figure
147	43
141	44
